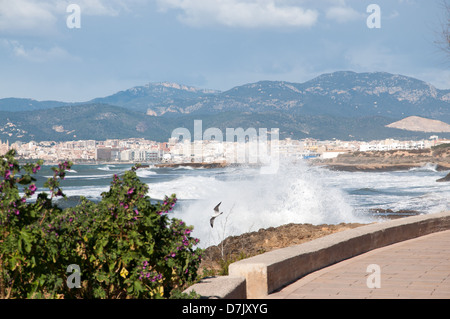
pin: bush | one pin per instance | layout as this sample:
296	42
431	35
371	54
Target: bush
124	246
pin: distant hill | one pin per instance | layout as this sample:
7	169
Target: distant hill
420	124
102	121
80	122
342	105
19	105
156	98
338	94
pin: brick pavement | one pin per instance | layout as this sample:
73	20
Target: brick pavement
416	268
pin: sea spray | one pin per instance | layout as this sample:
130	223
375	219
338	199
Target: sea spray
252	200
427	167
144	173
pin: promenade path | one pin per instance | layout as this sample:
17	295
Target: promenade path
415	268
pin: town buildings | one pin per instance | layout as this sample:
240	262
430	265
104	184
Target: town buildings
139	150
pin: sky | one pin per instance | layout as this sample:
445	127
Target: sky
50	51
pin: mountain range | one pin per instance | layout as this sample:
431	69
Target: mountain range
343	105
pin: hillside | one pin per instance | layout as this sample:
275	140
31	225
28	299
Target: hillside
419	124
90	121
156	98
337	94
20	105
100	122
343	105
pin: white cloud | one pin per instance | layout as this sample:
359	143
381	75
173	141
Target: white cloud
42	16
95	7
36	54
241	13
23	15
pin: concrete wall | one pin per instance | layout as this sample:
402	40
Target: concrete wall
258	276
224	287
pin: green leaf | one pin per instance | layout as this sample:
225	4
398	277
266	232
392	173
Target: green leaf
102	277
138	288
25	180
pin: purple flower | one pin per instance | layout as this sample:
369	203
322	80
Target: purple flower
7	174
130	191
32	189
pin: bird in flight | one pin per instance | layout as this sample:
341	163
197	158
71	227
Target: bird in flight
216	213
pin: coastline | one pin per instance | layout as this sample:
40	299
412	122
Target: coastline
362	167
368	161
394	160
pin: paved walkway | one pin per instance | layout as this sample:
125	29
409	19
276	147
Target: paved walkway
416	268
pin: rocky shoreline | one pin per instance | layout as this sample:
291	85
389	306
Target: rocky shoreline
389	160
364	161
383	167
444	179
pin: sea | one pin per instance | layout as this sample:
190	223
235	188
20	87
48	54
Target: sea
253	198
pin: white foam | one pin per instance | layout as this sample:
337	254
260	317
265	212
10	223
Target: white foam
186	167
250	201
427	167
90	192
142	173
106	167
88	177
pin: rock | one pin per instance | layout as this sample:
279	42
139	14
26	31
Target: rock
444	179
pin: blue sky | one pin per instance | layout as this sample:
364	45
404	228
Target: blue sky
215	44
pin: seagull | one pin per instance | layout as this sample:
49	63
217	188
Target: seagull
216	213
